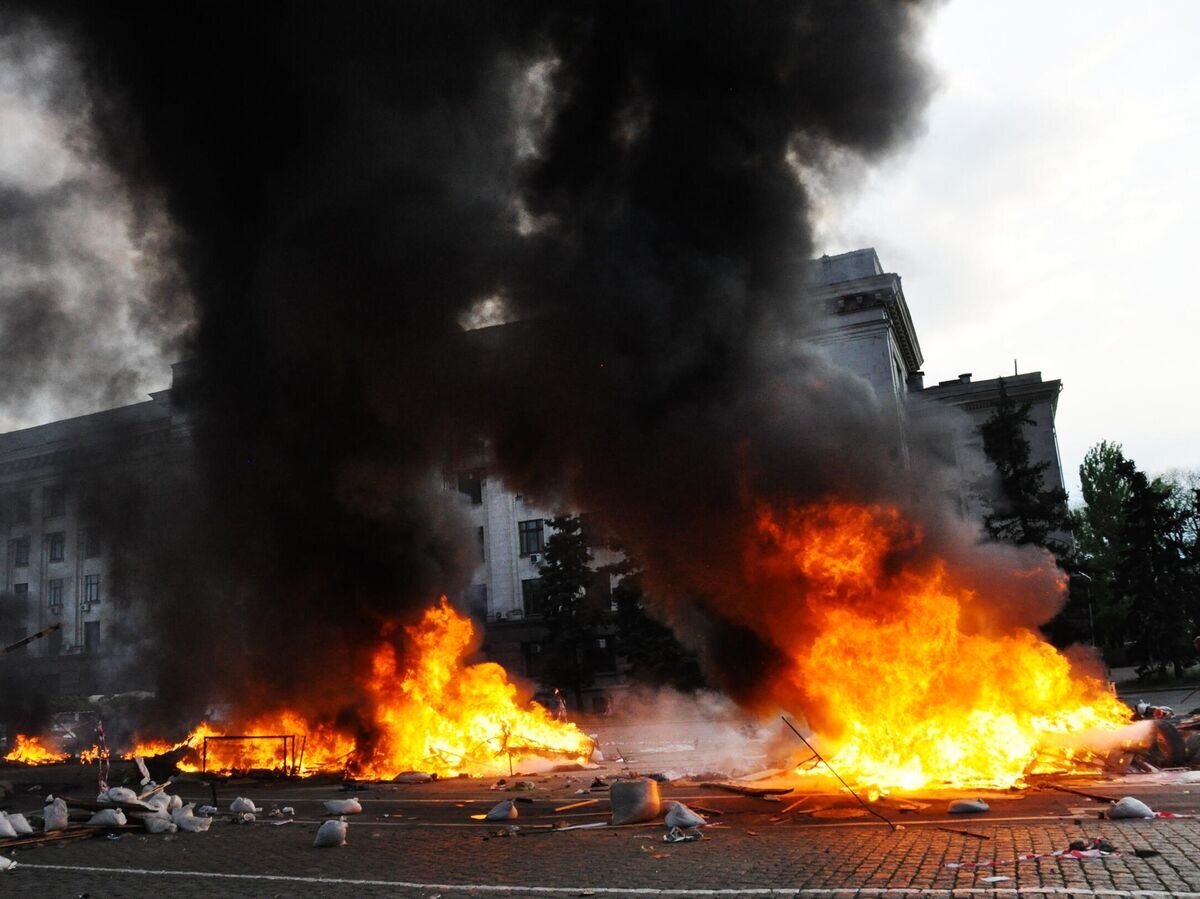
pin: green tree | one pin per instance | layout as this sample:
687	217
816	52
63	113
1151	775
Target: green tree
1155	574
653	653
572	624
1097	528
1025	511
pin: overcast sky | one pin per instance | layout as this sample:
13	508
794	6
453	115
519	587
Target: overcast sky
1048	214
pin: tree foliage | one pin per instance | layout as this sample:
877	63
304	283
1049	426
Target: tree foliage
1026	511
572	625
654	654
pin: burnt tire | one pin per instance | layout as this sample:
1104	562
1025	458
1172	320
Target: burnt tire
1167	748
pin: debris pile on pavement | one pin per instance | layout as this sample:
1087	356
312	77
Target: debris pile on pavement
331	833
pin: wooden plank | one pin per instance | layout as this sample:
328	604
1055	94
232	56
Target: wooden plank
581	804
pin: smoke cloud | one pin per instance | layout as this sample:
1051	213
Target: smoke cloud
622	182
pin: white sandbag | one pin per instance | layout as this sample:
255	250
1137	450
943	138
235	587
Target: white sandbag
6	864
55	816
20	824
968	807
7	831
679	815
192	824
1130	808
158	823
504	811
108	817
343	806
207	810
634	801
160	801
331	833
241	805
174	803
121	794
184	812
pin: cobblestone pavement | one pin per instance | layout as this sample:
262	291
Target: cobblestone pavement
427	846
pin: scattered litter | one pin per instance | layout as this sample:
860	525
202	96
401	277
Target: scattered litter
331	833
1129	808
634	801
581	804
995	878
839	813
759	792
412	777
678	836
244	818
968	807
343	806
113	836
54	815
288	810
6	863
965	833
1146	853
599	784
503	811
752	833
208	810
109	817
242	805
1079	849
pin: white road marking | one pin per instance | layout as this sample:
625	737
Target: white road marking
882	892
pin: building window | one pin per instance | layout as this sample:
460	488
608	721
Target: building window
23	507
91	636
470	485
57	544
481	545
533	597
91	588
54	592
20	592
54	501
531	534
20	552
91	543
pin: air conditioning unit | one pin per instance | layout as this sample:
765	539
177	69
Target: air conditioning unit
56	608
533	558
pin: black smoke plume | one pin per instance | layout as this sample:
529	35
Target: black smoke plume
350	181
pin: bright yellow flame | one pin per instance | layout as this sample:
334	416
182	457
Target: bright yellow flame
30	751
912	697
437	715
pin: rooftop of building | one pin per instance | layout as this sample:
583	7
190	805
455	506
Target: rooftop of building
841	267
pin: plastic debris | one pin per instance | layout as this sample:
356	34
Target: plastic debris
242	805
343	806
524	785
968	807
331	833
1079	849
995	878
1129	808
635	801
678	836
502	811
208	810
108	817
54	815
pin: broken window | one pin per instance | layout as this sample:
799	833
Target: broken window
470	485
531	535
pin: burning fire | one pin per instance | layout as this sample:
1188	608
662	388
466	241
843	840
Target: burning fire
437	715
30	751
906	681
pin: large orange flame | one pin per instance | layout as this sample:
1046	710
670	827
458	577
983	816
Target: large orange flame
913	691
437	714
31	751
